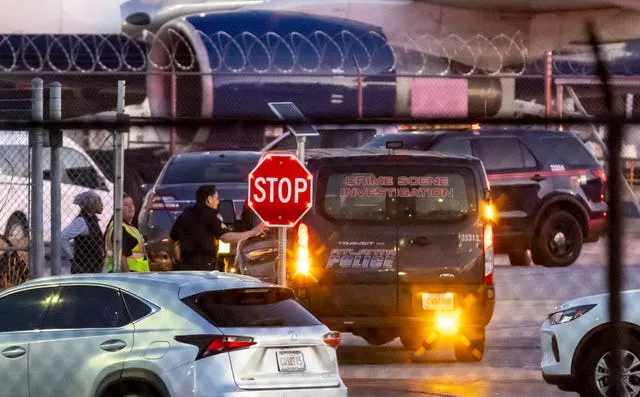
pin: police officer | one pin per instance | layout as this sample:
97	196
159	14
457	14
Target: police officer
198	228
134	258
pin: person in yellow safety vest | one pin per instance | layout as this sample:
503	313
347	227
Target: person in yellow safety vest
134	258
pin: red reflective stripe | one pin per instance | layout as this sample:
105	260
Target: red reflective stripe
521	175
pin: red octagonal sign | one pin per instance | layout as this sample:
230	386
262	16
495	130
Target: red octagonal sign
280	190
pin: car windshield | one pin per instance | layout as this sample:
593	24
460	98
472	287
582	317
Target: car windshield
219	169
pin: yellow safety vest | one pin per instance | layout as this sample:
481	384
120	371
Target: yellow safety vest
137	261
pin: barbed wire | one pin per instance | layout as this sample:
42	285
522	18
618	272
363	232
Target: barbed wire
179	50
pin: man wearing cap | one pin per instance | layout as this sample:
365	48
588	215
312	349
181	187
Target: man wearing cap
87	251
198	228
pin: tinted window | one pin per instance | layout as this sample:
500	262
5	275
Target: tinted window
378	193
500	153
570	151
210	170
252	307
453	146
24	311
86	307
137	308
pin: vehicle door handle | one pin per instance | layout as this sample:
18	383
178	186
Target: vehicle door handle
538	178
421	240
113	345
13	352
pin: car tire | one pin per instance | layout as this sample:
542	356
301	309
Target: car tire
379	337
411	341
470	350
559	240
597	357
519	257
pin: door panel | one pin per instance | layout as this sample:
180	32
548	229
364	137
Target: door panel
86	335
22	313
359	239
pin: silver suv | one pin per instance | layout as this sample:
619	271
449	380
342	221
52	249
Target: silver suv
160	335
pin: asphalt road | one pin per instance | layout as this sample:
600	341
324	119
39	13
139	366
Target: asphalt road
511	365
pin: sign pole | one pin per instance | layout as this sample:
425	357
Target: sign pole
289	112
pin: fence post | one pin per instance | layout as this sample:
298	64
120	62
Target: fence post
36	260
55	140
118	184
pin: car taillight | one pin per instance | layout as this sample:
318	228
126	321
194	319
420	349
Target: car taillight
164	203
210	345
600	174
303	260
488	254
332	338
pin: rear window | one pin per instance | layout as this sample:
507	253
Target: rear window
401	193
252	307
570	150
210	170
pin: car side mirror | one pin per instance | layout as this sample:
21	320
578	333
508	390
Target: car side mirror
227	212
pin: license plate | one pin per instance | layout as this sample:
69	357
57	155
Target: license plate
437	301
290	361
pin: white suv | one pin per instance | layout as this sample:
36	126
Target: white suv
79	174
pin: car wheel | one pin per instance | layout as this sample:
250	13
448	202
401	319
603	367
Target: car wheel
411	341
519	258
595	369
470	349
558	241
379	337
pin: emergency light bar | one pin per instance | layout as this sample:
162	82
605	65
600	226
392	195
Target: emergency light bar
431	127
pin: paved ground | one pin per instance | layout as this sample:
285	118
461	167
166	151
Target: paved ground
511	365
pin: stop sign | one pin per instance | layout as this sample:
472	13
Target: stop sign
280	190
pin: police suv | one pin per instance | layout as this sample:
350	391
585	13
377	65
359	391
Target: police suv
397	243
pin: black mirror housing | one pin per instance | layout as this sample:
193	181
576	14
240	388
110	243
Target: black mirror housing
138	19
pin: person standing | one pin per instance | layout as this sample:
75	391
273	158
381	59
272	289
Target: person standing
87	251
134	258
199	226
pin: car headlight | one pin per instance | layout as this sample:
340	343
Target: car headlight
570	314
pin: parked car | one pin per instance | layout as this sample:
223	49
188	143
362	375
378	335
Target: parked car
168	334
175	189
395	244
575	345
549	190
79	174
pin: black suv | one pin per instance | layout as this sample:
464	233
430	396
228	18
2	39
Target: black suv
548	189
396	244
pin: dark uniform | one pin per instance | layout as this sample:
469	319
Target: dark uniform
197	230
88	252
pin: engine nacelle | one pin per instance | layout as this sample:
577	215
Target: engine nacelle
231	64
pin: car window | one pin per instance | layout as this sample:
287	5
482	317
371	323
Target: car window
14	161
25	310
459	146
409	142
210	170
500	153
252	307
137	308
403	193
80	306
76	168
570	151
